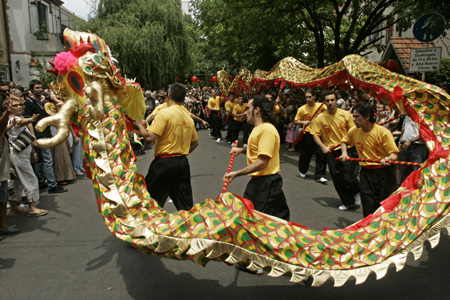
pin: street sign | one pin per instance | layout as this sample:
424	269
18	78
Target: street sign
429	27
425	59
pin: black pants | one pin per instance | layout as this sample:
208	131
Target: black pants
238	126
170	177
308	148
376	185
267	195
417	153
216	124
230	131
344	176
281	131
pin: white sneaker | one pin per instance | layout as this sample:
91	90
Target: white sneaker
357	199
244	146
321	180
243	267
218	140
302	175
343	207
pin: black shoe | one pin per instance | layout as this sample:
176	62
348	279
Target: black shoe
57	189
43	186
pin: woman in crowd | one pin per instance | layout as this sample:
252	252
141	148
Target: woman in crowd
353	101
20	160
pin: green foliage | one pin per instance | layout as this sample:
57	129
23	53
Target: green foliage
317	32
147	37
442	75
412	10
41	72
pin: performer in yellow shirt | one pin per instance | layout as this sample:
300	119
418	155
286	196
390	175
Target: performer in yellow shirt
328	130
374	142
263	159
240	122
309	147
174	132
230	120
214	117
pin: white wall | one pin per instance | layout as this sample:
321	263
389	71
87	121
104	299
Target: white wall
23	24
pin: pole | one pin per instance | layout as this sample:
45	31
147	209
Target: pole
230	167
393	162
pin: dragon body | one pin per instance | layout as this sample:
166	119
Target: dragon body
227	228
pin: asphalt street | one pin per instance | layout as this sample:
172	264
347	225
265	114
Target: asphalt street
69	253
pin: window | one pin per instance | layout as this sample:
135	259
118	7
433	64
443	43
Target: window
42	16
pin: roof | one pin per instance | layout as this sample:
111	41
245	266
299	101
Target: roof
402	47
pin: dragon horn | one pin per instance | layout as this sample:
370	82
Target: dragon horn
54	71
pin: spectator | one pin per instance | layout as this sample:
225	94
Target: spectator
44	167
4	175
77	148
412	148
26	179
4	93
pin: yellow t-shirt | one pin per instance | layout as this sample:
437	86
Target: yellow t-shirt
264	140
176	131
276	109
378	143
214	102
158	108
332	128
164	105
239	109
229	106
306	112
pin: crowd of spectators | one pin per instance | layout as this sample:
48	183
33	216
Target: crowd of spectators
29	170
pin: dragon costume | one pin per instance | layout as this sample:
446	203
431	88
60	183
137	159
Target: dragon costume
227	228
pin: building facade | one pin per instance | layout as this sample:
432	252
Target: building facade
33	30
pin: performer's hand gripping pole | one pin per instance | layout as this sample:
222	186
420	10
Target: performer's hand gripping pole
230	167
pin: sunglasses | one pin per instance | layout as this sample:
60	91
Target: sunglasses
17	105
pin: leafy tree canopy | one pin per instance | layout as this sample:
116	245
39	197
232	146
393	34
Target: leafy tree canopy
317	32
148	38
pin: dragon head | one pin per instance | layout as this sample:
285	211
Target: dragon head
87	69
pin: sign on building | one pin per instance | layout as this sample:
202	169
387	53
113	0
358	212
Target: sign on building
425	59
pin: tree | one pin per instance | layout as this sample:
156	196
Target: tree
147	37
45	77
317	32
415	9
